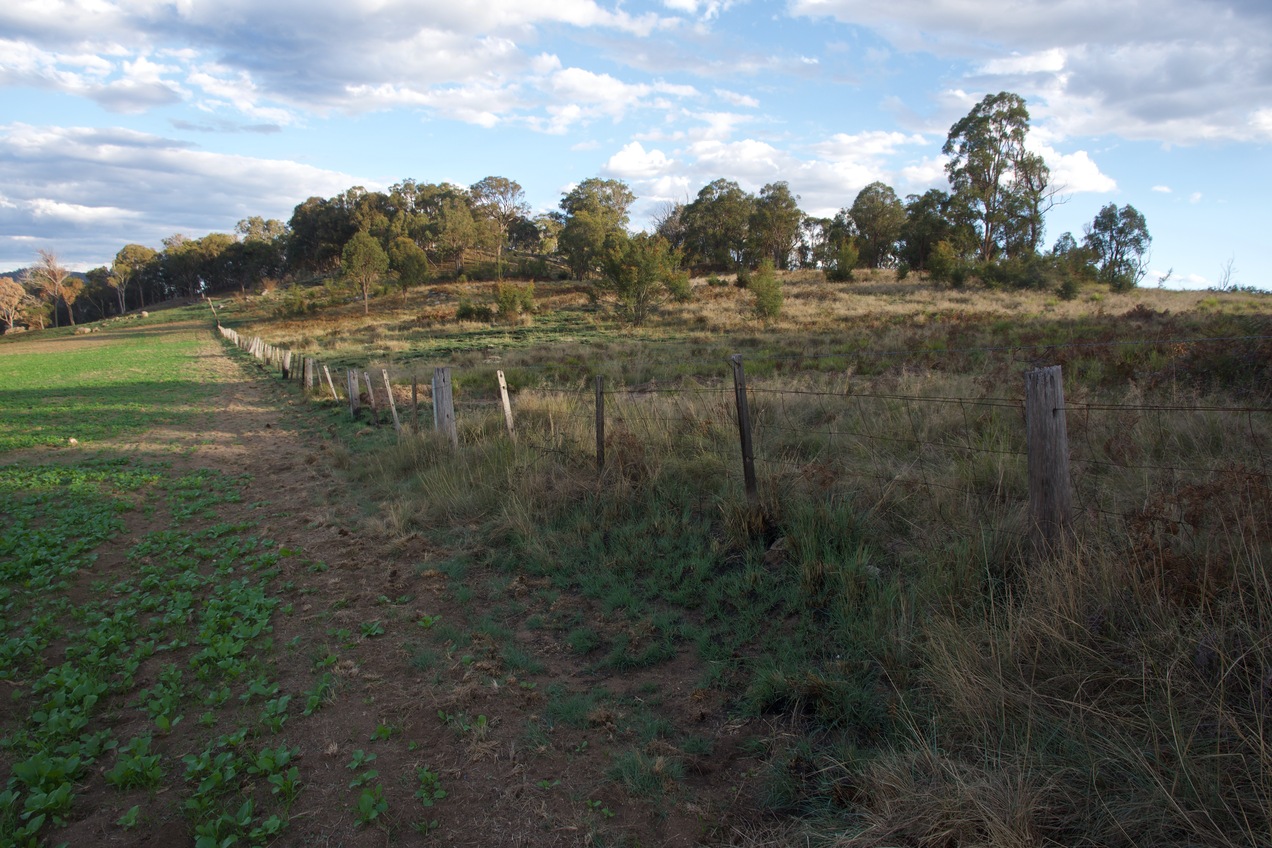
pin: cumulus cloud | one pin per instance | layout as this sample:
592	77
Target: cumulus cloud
633	162
269	62
1179	71
133	187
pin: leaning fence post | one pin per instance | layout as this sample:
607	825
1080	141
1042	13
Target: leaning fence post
330	383
375	409
388	390
744	429
1047	448
600	424
507	406
444	404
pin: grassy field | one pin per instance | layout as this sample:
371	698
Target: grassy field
132	660
941	683
877	654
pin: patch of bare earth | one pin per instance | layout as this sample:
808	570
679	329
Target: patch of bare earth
517	777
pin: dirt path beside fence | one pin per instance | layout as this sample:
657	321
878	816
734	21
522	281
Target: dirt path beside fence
438	666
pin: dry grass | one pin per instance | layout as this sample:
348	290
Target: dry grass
1114	696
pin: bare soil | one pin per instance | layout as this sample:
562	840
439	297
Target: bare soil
521	780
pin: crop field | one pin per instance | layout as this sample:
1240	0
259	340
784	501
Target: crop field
234	616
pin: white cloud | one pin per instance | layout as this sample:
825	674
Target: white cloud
1162	189
733	98
74	213
1179	71
633	162
134	187
1195	197
1076	173
1045	61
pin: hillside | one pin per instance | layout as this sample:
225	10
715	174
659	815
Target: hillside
626	649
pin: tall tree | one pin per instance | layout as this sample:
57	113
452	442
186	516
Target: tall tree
408	260
49	278
501	201
593	210
879	218
456	231
1032	195
364	262
716	225
131	262
984	147
773	227
927	222
11	296
1119	241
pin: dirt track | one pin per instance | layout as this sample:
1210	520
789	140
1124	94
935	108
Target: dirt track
523	776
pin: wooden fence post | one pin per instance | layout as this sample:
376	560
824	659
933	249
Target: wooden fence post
330	384
1047	447
507	405
388	390
286	364
351	385
375	409
744	429
444	404
309	374
415	402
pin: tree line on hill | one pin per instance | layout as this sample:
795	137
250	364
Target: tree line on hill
989	225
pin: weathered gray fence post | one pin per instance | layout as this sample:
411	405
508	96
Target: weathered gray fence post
444	404
1047	448
415	402
744	429
351	384
600	424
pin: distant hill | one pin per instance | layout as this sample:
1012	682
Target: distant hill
15	274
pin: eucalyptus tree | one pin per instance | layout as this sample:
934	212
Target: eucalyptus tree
364	262
591	212
716	225
502	202
984	148
1119	242
133	263
773	227
49	278
879	218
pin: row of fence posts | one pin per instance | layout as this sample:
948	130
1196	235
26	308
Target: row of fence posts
1047	447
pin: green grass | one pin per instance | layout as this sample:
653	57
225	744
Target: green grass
93	388
190	608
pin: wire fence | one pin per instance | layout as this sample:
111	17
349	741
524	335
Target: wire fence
927	451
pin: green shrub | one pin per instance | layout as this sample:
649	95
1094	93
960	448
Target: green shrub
514	300
845	261
469	311
767	289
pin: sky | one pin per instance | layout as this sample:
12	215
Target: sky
128	121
